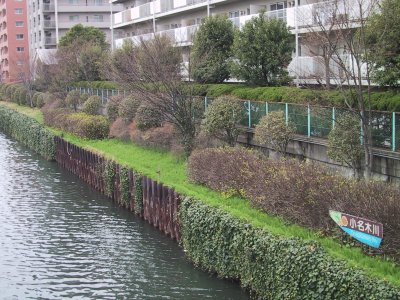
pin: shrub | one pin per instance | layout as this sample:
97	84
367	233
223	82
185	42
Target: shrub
293	190
40	99
92	105
273	130
344	142
128	108
112	107
73	99
147	117
271	267
222	118
88	126
84	98
164	137
81	124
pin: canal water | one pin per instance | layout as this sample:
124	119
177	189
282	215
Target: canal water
60	239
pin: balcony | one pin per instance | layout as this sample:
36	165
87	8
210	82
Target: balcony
48	24
183	36
159	7
313	67
94	23
89	6
305	16
180	36
48	7
50	41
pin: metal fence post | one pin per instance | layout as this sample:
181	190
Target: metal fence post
249	108
205	103
102	96
286	113
124	93
393	131
308	121
266	108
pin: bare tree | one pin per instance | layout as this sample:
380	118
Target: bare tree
25	73
339	29
152	71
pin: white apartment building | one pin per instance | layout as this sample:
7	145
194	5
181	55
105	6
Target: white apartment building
49	20
179	19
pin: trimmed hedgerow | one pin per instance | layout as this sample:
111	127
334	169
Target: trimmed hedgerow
301	193
271	267
28	131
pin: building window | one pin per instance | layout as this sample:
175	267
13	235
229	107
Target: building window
73	1
19	24
74	18
98	18
18	11
20	49
98	2
20	36
20	63
278	5
233	14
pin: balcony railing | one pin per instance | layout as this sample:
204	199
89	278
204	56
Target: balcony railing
48	7
315	67
306	15
49	24
179	36
151	8
50	41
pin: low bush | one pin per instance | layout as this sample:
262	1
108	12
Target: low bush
302	193
272	130
163	137
28	131
92	105
222	118
73	99
128	107
81	124
147	117
271	267
112	107
88	126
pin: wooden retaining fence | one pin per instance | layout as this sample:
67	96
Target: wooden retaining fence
160	203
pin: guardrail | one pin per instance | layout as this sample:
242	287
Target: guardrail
309	120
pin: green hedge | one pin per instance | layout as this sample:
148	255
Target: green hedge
271	267
28	131
380	100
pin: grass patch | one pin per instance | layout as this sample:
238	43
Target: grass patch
171	171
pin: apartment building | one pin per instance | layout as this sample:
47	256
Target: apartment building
14	48
179	19
49	20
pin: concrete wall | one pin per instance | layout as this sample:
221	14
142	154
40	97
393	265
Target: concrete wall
386	164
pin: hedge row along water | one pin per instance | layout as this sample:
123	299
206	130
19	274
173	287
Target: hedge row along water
271	267
28	131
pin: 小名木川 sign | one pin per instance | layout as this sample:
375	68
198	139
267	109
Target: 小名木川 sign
366	231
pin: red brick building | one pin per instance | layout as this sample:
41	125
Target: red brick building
14	46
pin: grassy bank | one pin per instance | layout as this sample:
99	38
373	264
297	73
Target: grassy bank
171	170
